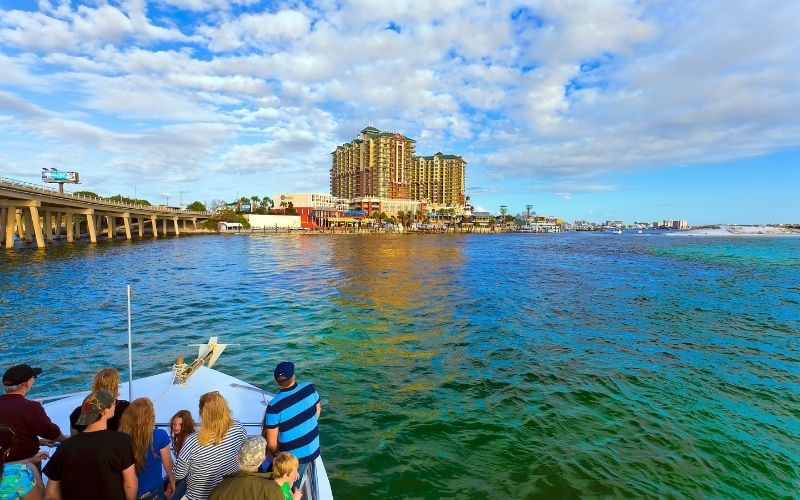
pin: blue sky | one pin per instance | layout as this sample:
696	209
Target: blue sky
593	110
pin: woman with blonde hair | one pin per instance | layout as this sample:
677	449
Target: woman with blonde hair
211	453
150	450
106	379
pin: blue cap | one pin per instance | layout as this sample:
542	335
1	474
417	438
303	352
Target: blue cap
285	369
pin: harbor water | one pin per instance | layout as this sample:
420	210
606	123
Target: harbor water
461	366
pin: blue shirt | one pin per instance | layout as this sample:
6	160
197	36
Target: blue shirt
150	477
294	413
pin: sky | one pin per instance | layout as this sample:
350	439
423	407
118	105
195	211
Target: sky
586	110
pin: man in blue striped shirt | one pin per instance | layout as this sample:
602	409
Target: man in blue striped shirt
291	418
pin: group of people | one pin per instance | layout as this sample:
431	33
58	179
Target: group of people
115	450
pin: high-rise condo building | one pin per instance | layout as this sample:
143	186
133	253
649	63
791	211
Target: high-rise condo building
439	179
383	165
375	164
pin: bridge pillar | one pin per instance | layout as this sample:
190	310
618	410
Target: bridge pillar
194	223
47	226
69	226
3	216
20	227
59	217
33	214
97	222
11	219
154	222
126	220
112	226
92	223
28	226
175	223
141	227
164	226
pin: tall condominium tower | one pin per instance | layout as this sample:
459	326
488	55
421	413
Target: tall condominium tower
439	179
382	164
378	164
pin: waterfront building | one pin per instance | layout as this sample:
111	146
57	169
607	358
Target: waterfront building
314	200
315	209
391	207
482	218
544	224
439	179
680	224
375	164
382	166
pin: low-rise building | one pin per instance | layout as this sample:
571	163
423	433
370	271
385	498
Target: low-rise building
390	207
272	221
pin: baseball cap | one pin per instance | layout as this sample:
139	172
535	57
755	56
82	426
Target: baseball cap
19	374
253	452
285	369
95	404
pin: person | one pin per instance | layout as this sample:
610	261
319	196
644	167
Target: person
18	480
106	379
96	463
150	450
182	424
285	473
248	483
290	420
26	418
211	453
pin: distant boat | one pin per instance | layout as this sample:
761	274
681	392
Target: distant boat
617	231
640	231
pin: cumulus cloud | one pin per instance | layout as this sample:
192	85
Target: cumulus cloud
560	90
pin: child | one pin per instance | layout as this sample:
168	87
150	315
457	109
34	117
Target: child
284	472
182	425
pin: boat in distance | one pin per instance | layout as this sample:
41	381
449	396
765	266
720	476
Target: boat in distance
181	388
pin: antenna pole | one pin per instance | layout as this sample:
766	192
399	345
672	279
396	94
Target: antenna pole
130	350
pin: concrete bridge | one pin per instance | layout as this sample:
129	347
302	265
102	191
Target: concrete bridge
41	215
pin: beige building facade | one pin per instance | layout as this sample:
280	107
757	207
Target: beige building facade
313	200
440	179
383	165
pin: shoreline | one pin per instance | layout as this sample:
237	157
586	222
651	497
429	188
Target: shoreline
737	230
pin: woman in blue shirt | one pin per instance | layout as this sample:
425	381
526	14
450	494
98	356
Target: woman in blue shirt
150	450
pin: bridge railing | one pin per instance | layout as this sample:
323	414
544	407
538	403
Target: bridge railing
28	186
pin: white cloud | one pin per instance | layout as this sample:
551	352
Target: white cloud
104	23
260	31
566	91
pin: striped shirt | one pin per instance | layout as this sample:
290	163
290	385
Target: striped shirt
204	466
293	411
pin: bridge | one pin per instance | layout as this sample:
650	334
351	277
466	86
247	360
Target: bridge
42	215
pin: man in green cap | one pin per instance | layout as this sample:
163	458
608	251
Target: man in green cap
97	463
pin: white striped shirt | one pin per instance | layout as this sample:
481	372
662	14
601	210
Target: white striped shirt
204	466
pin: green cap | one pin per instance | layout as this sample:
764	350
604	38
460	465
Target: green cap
95	404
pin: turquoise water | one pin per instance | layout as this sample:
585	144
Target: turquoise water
470	366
